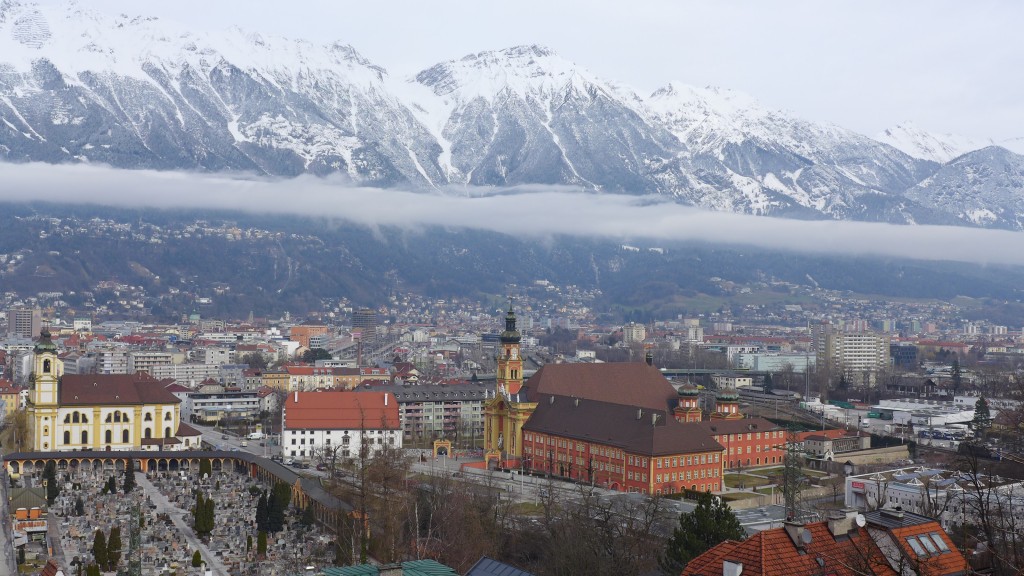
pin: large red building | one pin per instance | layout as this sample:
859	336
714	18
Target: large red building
624	426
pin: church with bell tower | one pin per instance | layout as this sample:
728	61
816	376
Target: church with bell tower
505	414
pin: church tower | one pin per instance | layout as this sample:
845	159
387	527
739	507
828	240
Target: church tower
510	365
43	398
48	370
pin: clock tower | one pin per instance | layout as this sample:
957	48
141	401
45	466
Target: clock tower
508	410
510	365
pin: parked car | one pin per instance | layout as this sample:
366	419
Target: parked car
276	458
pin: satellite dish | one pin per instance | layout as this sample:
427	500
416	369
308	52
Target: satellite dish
806	536
860	520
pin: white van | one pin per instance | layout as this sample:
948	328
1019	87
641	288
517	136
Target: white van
255	436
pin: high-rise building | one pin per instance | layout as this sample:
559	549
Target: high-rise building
364	320
26	322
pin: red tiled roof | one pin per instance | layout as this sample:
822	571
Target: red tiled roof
113	389
627	383
329	410
773	552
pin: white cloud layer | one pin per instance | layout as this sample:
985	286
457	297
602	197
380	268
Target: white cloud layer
533	211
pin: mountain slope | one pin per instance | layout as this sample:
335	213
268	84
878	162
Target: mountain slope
983	187
80	86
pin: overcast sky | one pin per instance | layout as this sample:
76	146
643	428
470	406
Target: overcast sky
948	66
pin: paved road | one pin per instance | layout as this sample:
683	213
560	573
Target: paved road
163	505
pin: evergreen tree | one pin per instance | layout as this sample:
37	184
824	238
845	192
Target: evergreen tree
205	468
93	570
52	486
21	554
262	513
308	517
129	476
982	418
277	504
248	543
114	548
99	548
956	375
261	543
769	383
197	559
710	523
79	506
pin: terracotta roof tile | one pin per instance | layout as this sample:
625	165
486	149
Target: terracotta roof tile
327	410
626	383
114	389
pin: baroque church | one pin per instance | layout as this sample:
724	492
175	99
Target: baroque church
101	412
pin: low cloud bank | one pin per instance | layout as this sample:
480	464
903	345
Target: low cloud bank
532	211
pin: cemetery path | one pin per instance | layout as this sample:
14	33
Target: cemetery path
164	505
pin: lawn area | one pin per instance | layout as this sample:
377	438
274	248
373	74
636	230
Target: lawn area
527	509
748	481
766	490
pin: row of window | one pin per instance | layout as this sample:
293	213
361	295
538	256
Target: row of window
109	435
77	417
690	475
675	462
703	488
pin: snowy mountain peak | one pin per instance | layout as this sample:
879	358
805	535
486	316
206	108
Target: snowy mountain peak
919	143
519	69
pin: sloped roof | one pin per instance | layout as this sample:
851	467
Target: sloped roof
326	410
627	383
636	430
114	389
772	552
490	567
738	426
186	430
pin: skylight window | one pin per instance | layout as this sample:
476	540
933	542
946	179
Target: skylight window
918	549
928	544
939	541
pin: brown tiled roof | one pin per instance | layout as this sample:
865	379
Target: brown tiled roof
740	425
51	568
627	383
186	430
617	425
773	552
329	410
159	441
114	389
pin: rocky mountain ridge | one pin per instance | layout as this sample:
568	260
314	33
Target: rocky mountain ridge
132	92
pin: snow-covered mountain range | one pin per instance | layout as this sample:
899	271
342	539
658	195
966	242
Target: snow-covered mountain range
80	86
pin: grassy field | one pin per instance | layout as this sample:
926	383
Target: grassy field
748	481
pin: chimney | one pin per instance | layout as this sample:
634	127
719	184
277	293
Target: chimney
730	568
840	522
296	396
639	413
385	398
896	514
654	419
796	531
649	358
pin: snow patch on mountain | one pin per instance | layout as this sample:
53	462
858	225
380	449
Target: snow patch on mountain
919	143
